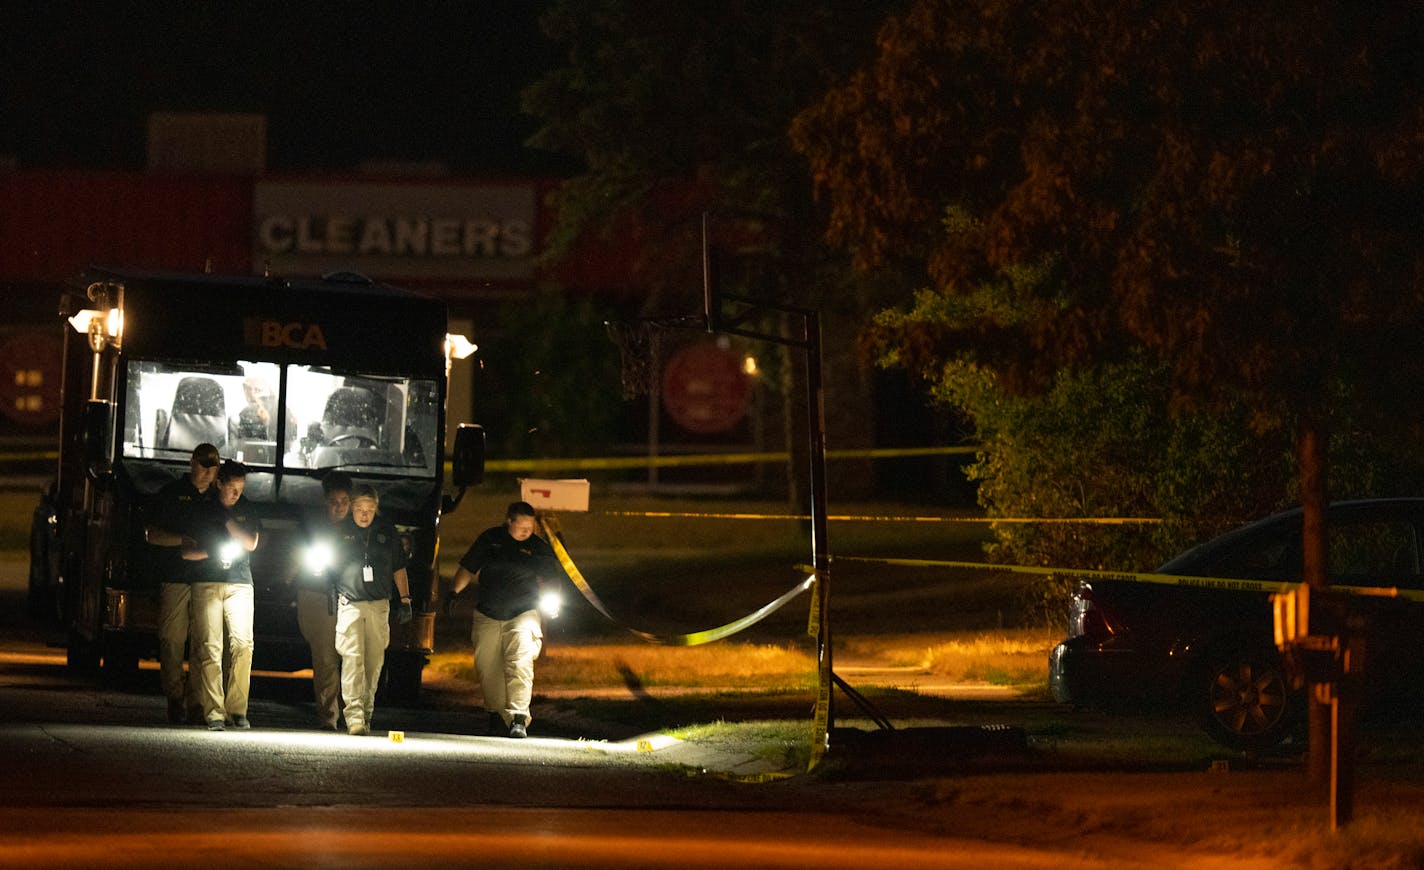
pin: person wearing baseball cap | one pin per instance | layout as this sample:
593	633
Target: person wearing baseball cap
178	512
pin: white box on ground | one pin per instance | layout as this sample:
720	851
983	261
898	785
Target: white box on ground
555	495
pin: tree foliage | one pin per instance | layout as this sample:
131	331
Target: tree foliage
551	378
679	108
1235	186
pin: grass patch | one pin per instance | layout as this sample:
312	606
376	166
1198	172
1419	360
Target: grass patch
784	743
1004	657
1015	657
17	509
643	666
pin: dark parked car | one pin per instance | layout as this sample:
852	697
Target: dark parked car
1213	650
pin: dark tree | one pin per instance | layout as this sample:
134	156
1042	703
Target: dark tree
1235	186
676	109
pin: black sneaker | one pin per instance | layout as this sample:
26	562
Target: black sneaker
496	727
241	723
216	725
519	728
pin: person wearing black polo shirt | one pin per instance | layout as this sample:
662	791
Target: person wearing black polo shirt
371	571
512	565
316	599
177	512
222	600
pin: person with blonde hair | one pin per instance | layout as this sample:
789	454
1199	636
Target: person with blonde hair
371	572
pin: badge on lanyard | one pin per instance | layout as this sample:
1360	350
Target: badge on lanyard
367	574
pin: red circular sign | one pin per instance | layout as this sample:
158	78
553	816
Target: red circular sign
704	388
30	366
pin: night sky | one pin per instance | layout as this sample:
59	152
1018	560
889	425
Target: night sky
339	83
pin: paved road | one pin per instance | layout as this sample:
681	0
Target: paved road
93	777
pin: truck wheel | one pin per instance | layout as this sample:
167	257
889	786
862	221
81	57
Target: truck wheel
119	666
400	679
81	656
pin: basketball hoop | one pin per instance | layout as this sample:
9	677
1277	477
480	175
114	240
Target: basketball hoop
640	345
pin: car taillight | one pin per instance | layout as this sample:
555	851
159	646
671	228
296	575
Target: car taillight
1088	617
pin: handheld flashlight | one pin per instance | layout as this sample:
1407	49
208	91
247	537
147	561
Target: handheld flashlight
317	558
549	604
229	553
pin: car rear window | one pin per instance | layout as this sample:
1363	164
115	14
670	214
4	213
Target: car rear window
1272	555
1373	553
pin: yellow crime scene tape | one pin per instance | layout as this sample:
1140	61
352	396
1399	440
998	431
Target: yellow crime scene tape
821	719
611	462
872	518
693	639
1229	584
29	456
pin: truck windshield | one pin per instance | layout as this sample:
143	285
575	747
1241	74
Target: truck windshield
269	415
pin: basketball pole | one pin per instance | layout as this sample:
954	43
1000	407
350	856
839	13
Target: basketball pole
719	321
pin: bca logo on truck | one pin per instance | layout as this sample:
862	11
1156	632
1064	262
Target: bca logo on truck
261	332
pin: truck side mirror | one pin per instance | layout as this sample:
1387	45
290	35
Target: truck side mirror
467	464
99	438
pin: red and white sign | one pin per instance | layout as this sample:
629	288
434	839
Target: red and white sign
704	388
555	495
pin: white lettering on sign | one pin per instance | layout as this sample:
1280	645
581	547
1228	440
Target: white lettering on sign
399	235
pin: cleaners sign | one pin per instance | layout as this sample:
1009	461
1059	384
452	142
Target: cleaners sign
395	231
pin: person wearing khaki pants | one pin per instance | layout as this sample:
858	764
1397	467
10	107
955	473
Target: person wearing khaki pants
222	600
509	565
177	510
316	610
371	572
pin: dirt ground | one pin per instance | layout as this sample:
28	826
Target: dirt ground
1124	791
1261	818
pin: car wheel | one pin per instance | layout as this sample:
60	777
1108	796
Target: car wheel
1244	702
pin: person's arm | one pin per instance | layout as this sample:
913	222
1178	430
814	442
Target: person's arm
158	531
196	549
161	537
462	579
402	585
244	536
470	565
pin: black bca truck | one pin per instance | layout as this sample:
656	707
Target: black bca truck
292	378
